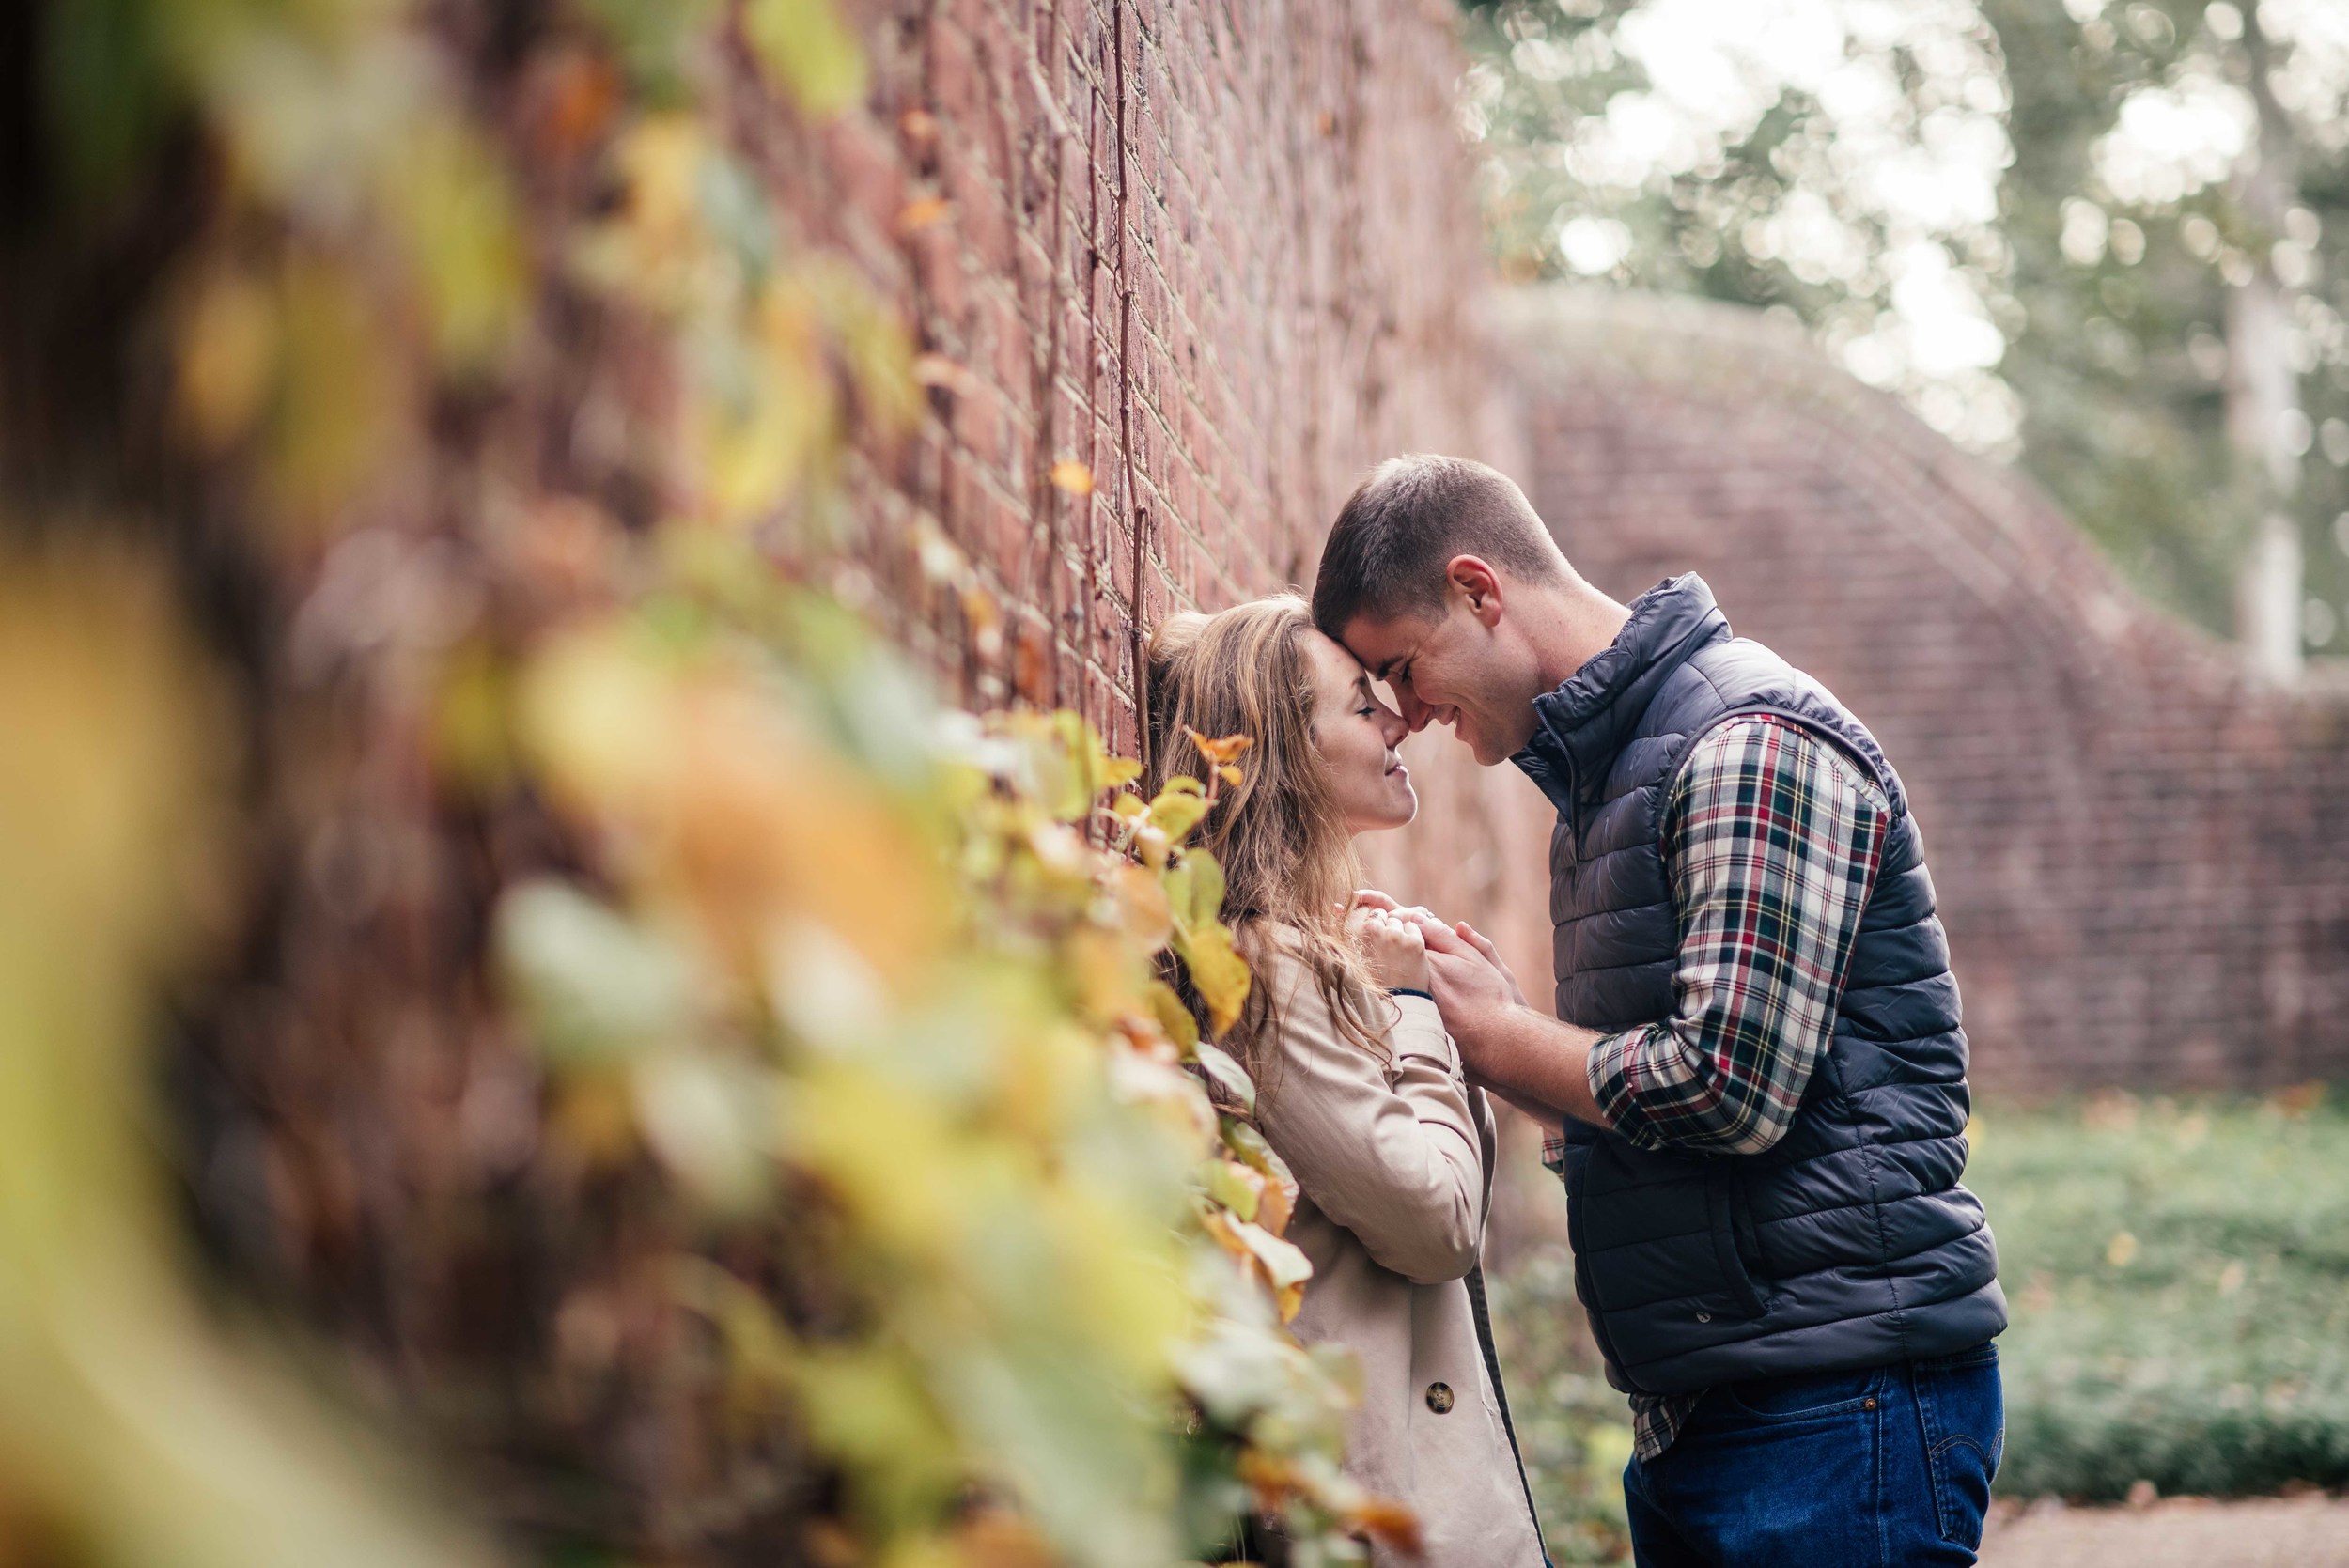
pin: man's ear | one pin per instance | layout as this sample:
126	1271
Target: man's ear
1473	579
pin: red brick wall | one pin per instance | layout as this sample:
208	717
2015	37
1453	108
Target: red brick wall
1224	255
2142	860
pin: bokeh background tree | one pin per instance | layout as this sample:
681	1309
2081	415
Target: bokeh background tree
2105	242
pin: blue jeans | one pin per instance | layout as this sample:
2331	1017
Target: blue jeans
1889	1467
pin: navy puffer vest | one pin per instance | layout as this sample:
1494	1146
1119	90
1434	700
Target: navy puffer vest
1849	1242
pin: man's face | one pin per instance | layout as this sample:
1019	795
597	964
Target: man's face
1466	667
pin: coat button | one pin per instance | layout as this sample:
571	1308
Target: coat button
1440	1397
1704	1317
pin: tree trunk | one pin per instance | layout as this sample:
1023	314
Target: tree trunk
2263	388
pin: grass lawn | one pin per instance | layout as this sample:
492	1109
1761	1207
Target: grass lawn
2178	1272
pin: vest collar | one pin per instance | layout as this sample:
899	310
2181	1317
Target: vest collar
1582	724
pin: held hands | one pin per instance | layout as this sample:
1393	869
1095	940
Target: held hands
1472	983
1473	992
1370	898
1482	1003
1395	947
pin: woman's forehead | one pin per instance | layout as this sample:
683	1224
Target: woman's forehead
1334	668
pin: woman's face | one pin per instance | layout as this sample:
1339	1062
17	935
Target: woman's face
1357	736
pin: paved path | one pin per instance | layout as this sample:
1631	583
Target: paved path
2180	1533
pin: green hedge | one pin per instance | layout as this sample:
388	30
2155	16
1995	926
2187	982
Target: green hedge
2178	1272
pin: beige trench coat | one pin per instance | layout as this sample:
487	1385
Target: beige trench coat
1395	1159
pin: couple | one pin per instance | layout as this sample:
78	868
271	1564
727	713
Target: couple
1754	1082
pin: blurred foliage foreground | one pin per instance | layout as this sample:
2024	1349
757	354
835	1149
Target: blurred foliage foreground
728	1110
2178	1274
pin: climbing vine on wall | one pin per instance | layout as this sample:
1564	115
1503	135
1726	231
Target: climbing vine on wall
858	1190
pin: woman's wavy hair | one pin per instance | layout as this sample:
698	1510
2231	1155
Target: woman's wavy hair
1289	868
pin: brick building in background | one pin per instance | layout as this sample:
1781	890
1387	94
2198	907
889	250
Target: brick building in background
1216	259
2142	858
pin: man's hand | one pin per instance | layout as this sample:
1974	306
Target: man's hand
1370	898
1473	993
1484	945
1537	1064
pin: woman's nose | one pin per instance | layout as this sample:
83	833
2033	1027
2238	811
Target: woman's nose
1394	726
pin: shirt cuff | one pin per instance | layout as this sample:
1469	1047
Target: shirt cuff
1613	1062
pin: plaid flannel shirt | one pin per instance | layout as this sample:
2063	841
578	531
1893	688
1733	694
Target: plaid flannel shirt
1771	837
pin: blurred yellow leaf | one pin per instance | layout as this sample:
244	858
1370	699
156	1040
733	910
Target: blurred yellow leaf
227	357
1073	477
456	219
872	340
1280	1189
1387	1521
762	410
725	806
1143	908
1171	1015
1235	1187
923	212
807	51
339	393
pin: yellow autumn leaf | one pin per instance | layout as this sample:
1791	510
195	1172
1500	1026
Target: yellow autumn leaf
1144	912
1072	477
1195	891
453	211
339	393
1226	750
1217	972
807	51
1250	1148
762	411
1177	809
923	212
1170	1015
873	341
227	356
1234	1186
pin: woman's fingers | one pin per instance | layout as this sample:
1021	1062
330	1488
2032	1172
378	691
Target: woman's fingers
1370	898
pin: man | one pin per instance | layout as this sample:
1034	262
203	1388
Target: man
1756	1063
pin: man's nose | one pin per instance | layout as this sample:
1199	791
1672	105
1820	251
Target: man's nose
1415	713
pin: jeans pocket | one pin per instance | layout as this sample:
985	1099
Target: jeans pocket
1805	1395
1963	1412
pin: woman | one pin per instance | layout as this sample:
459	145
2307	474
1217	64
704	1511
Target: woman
1358	1088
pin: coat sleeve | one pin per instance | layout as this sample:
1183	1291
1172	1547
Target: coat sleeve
1391	1150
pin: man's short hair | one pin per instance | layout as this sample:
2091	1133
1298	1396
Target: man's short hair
1386	554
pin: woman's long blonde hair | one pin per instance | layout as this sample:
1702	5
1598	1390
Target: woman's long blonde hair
1289	867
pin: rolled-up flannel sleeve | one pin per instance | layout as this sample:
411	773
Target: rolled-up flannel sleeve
1771	838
